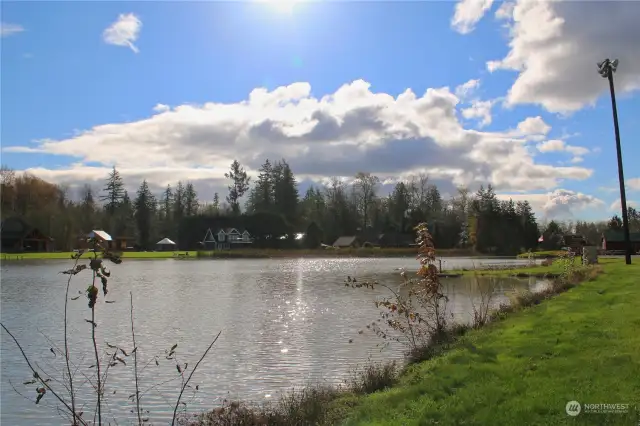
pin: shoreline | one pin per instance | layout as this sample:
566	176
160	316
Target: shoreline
409	252
535	339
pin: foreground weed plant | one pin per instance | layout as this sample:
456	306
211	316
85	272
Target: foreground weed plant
415	314
115	356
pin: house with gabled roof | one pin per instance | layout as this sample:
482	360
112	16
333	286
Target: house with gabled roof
18	236
227	239
613	240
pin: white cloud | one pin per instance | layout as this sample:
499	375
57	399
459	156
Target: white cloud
467	89
553	145
480	110
617	205
555	45
505	11
124	31
468	13
7	29
335	135
161	108
563	202
533	126
556	145
634	184
560	203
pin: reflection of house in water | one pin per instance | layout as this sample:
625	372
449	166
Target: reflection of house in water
227	239
390	239
19	236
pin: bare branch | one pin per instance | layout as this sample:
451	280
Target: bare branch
175	410
66	344
135	363
37	376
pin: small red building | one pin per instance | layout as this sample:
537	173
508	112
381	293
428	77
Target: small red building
613	240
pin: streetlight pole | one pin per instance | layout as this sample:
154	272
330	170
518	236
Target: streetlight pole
606	69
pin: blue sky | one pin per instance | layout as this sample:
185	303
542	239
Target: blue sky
77	99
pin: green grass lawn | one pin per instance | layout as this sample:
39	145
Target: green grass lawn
542	254
583	345
254	253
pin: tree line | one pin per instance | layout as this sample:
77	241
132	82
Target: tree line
274	211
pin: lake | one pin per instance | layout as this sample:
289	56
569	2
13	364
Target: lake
285	323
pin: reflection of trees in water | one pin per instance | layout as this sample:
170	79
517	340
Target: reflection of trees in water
466	291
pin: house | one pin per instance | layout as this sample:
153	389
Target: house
18	236
106	240
575	242
613	240
227	239
165	244
347	242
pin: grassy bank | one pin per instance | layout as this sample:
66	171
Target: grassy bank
536	270
252	254
583	345
543	254
536	356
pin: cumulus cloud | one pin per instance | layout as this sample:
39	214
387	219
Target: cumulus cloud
7	29
124	31
563	202
617	205
556	145
468	13
555	45
560	203
350	130
553	145
505	11
534	126
467	89
161	108
634	184
480	110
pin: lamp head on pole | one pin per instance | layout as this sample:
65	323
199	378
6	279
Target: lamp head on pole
607	67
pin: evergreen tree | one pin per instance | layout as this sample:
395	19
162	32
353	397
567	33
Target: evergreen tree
190	200
285	191
239	185
262	193
145	208
114	192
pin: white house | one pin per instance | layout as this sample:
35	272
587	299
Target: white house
227	239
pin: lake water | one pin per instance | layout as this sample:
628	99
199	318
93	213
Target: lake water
285	323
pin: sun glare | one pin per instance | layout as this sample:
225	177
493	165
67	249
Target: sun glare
282	6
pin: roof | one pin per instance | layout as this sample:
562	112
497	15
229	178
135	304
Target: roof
100	235
14	227
166	242
618	236
229	230
344	241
